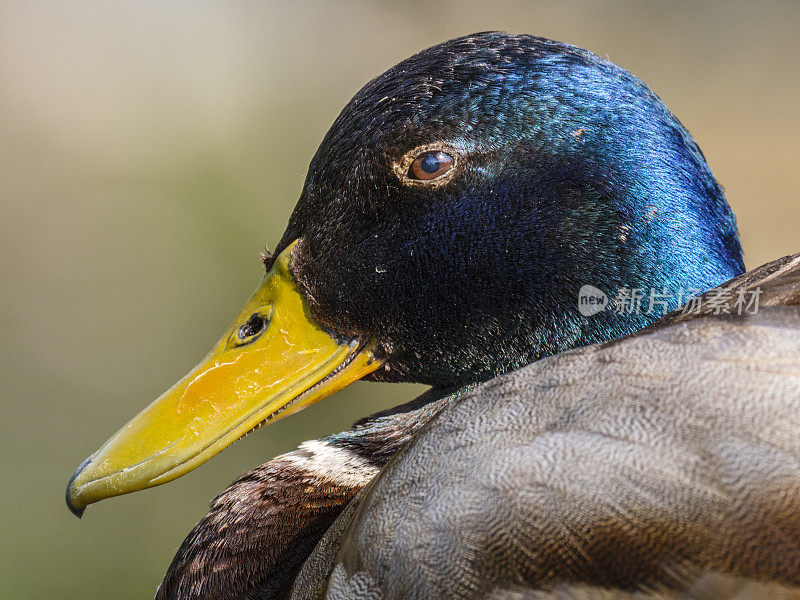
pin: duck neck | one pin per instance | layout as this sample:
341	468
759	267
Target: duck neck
261	529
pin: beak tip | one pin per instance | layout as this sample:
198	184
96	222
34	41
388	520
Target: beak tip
73	507
78	512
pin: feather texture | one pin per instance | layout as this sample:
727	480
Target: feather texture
665	464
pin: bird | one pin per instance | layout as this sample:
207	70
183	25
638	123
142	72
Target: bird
526	228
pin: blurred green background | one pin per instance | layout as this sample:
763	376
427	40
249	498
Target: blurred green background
149	150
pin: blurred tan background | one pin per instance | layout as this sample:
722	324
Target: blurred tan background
149	150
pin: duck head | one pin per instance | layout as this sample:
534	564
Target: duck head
449	219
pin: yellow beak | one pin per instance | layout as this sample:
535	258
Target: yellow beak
273	361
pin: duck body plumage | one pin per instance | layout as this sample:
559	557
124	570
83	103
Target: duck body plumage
662	465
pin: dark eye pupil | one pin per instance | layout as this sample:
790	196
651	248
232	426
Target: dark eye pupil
252	326
431	163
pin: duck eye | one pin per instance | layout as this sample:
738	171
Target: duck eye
430	165
251	328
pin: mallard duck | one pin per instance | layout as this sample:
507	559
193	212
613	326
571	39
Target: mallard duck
454	219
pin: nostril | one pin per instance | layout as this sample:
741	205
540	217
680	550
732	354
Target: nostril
253	326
